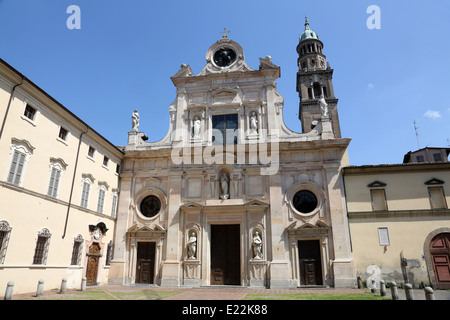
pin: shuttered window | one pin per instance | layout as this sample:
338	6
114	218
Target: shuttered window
114	206
15	171
101	200
85	194
54	183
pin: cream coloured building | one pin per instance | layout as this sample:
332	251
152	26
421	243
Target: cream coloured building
59	187
231	196
400	221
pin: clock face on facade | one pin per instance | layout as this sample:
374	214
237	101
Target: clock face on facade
224	57
150	206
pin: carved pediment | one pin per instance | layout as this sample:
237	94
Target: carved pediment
376	184
185	71
191	205
434	181
256	203
320	225
141	228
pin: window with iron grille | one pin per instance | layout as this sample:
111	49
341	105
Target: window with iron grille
109	254
76	252
40	250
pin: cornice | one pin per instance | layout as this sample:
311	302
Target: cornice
396	168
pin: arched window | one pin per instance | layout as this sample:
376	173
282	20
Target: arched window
42	245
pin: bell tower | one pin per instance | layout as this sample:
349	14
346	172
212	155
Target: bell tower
315	80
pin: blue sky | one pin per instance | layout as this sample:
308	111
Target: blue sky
123	56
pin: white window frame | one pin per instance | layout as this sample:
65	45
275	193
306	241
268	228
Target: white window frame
36	115
383	236
66	140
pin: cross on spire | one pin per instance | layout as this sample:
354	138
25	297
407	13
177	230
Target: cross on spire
225	33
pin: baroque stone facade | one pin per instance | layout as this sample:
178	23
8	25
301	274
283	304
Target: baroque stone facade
231	196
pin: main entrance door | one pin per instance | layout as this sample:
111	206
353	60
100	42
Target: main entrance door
440	256
145	262
225	255
310	262
92	264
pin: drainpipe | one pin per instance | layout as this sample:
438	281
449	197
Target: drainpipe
9	105
73	182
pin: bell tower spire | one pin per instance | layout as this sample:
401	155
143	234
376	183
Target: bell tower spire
314	80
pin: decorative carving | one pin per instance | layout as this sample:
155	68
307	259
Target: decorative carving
192	269
258	270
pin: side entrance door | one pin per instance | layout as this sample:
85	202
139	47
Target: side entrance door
440	256
145	262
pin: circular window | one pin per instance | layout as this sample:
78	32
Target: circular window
150	206
224	57
304	201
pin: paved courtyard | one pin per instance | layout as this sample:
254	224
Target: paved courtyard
222	293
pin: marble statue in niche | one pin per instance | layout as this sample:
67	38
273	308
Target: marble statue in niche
253	123
257	246
196	127
224	186
192	246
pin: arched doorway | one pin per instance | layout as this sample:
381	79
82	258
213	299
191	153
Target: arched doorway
437	249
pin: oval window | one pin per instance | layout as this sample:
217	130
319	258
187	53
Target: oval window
304	201
150	206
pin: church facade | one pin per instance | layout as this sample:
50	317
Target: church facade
231	196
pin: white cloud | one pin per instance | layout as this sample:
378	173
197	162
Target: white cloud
432	114
370	85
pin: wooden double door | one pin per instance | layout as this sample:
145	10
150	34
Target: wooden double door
440	256
310	262
225	255
145	265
